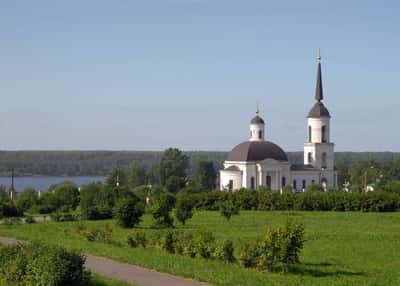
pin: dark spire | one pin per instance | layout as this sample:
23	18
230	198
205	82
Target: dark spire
318	89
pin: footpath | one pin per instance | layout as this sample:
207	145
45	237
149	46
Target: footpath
126	272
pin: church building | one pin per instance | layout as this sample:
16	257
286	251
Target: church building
258	162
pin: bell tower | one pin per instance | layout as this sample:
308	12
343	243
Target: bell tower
257	127
319	150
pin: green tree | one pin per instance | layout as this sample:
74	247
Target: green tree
128	212
183	208
161	211
67	195
27	199
228	209
173	163
96	201
174	184
206	175
137	175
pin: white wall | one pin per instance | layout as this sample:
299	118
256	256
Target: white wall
316	127
254	132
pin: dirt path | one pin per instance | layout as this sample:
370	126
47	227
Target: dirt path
138	275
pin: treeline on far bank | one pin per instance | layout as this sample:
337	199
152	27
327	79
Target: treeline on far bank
98	163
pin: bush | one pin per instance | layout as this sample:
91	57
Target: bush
184	208
128	212
224	251
137	239
41	265
161	211
228	209
249	255
94	234
277	249
204	244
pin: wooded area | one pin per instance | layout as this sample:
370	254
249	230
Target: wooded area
99	163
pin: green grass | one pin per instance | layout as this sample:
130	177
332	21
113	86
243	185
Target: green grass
98	280
350	248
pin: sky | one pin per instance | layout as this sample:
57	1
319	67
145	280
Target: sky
148	75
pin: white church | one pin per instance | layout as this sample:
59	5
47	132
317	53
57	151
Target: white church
258	162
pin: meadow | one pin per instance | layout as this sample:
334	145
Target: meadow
341	248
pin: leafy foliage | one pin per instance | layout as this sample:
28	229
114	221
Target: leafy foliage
228	209
206	175
183	208
41	265
128	211
161	211
277	249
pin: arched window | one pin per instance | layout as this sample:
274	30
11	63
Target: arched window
252	183
323	165
323	133
309	157
309	134
304	184
283	182
294	184
259	134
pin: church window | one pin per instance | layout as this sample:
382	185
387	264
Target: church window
230	188
304	184
309	159
259	134
294	184
252	183
269	181
309	134
323	165
323	133
283	182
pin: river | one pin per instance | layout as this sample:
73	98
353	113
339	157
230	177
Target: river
43	183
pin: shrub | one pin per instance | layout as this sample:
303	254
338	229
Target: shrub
204	244
224	251
161	211
228	209
41	265
249	255
137	239
184	208
128	212
167	242
94	234
277	249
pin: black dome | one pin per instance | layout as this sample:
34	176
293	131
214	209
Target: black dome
319	110
257	151
257	120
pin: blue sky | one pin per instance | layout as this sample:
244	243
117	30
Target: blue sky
147	75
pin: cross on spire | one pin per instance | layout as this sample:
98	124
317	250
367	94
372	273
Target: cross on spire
318	90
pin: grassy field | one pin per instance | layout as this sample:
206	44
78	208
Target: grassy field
341	248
